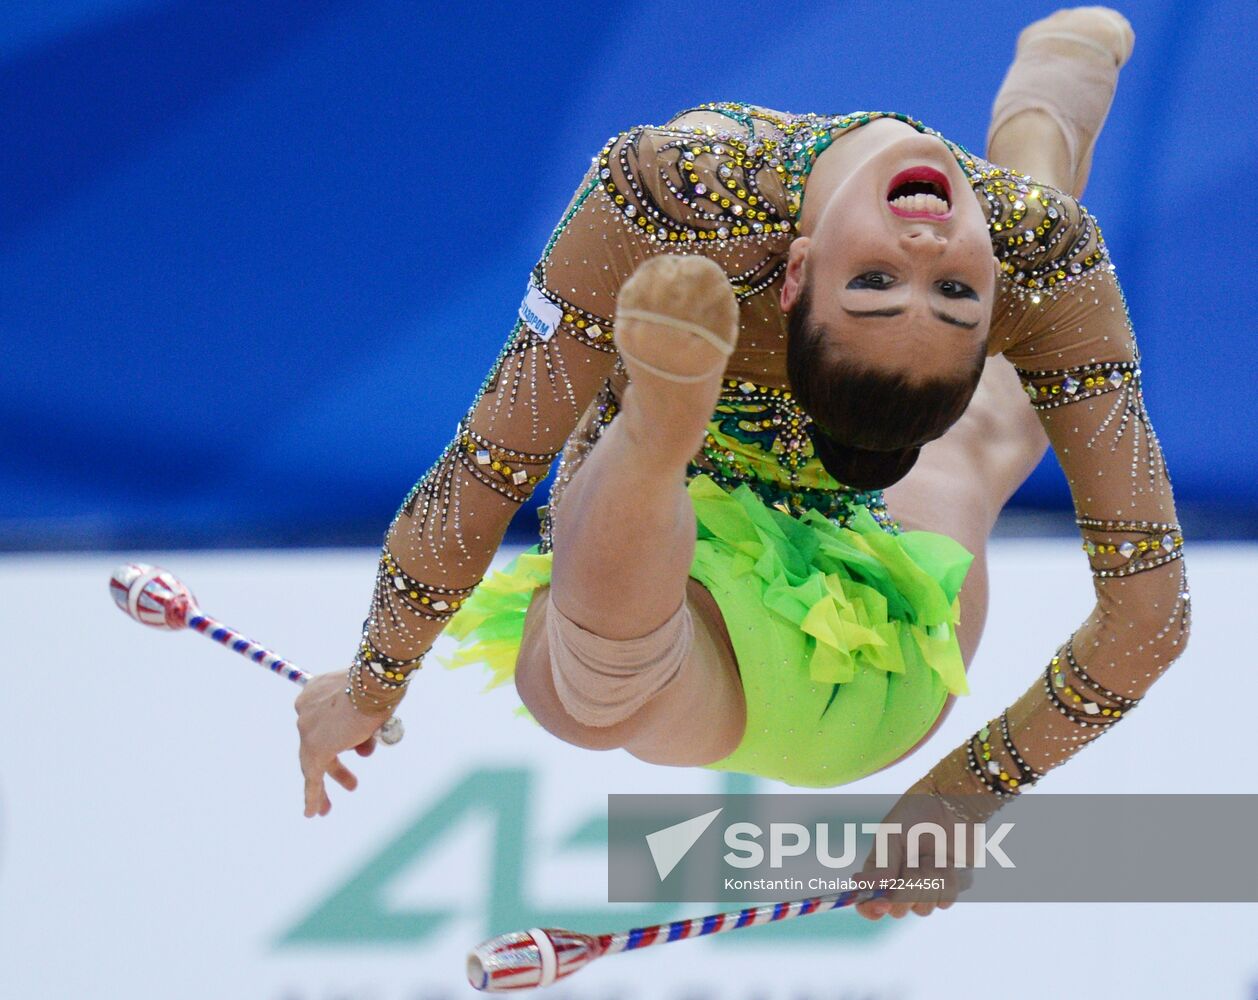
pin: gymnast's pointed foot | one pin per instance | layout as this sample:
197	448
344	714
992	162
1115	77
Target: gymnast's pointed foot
1056	96
676	326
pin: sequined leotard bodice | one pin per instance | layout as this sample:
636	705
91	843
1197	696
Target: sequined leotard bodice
726	181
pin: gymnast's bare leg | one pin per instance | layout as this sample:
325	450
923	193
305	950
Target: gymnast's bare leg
625	537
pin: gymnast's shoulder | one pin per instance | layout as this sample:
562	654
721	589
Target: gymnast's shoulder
712	173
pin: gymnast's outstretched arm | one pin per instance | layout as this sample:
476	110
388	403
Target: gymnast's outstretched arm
1072	342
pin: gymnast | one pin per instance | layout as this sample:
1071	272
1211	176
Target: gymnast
793	367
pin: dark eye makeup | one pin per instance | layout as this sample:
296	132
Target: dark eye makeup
872	279
949	288
956	290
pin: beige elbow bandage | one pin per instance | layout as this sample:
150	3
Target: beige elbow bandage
600	681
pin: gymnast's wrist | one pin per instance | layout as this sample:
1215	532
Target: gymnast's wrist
367	695
376	682
954	783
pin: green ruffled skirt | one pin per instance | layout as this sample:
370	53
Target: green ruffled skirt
844	636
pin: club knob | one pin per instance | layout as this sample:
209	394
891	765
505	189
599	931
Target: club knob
151	595
392	731
523	960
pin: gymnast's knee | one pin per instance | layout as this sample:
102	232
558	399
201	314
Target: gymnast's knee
589	690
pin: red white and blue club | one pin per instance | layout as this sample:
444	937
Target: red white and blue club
524	960
155	597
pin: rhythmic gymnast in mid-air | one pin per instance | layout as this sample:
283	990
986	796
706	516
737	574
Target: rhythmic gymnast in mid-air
793	367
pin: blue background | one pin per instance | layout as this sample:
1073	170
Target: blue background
255	259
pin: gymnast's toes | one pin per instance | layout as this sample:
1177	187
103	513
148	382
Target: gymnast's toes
676	316
1104	27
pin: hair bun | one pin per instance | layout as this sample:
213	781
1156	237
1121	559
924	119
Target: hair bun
861	468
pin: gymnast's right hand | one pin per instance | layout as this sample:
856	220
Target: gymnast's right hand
329	725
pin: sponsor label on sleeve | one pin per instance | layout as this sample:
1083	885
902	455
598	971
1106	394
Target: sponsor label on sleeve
540	314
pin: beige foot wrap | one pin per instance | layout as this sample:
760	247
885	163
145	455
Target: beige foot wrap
1067	67
660	290
676	327
663	319
601	682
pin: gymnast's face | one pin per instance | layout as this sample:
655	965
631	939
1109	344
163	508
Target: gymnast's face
899	263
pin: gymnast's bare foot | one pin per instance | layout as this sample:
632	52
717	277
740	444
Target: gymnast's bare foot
676	325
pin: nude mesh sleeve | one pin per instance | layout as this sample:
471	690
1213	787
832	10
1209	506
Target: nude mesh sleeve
1071	339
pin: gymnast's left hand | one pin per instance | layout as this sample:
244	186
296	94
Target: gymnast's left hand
329	725
918	805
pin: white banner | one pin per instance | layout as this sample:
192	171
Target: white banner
152	843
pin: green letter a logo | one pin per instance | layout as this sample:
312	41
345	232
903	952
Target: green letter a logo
358	912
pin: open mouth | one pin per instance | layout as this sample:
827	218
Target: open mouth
920	193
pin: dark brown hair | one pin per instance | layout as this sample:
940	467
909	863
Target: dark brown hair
868	424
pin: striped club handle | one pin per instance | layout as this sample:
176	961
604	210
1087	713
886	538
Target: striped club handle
246	647
720	923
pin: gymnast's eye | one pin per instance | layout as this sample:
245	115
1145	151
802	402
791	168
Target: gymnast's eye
872	279
957	290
